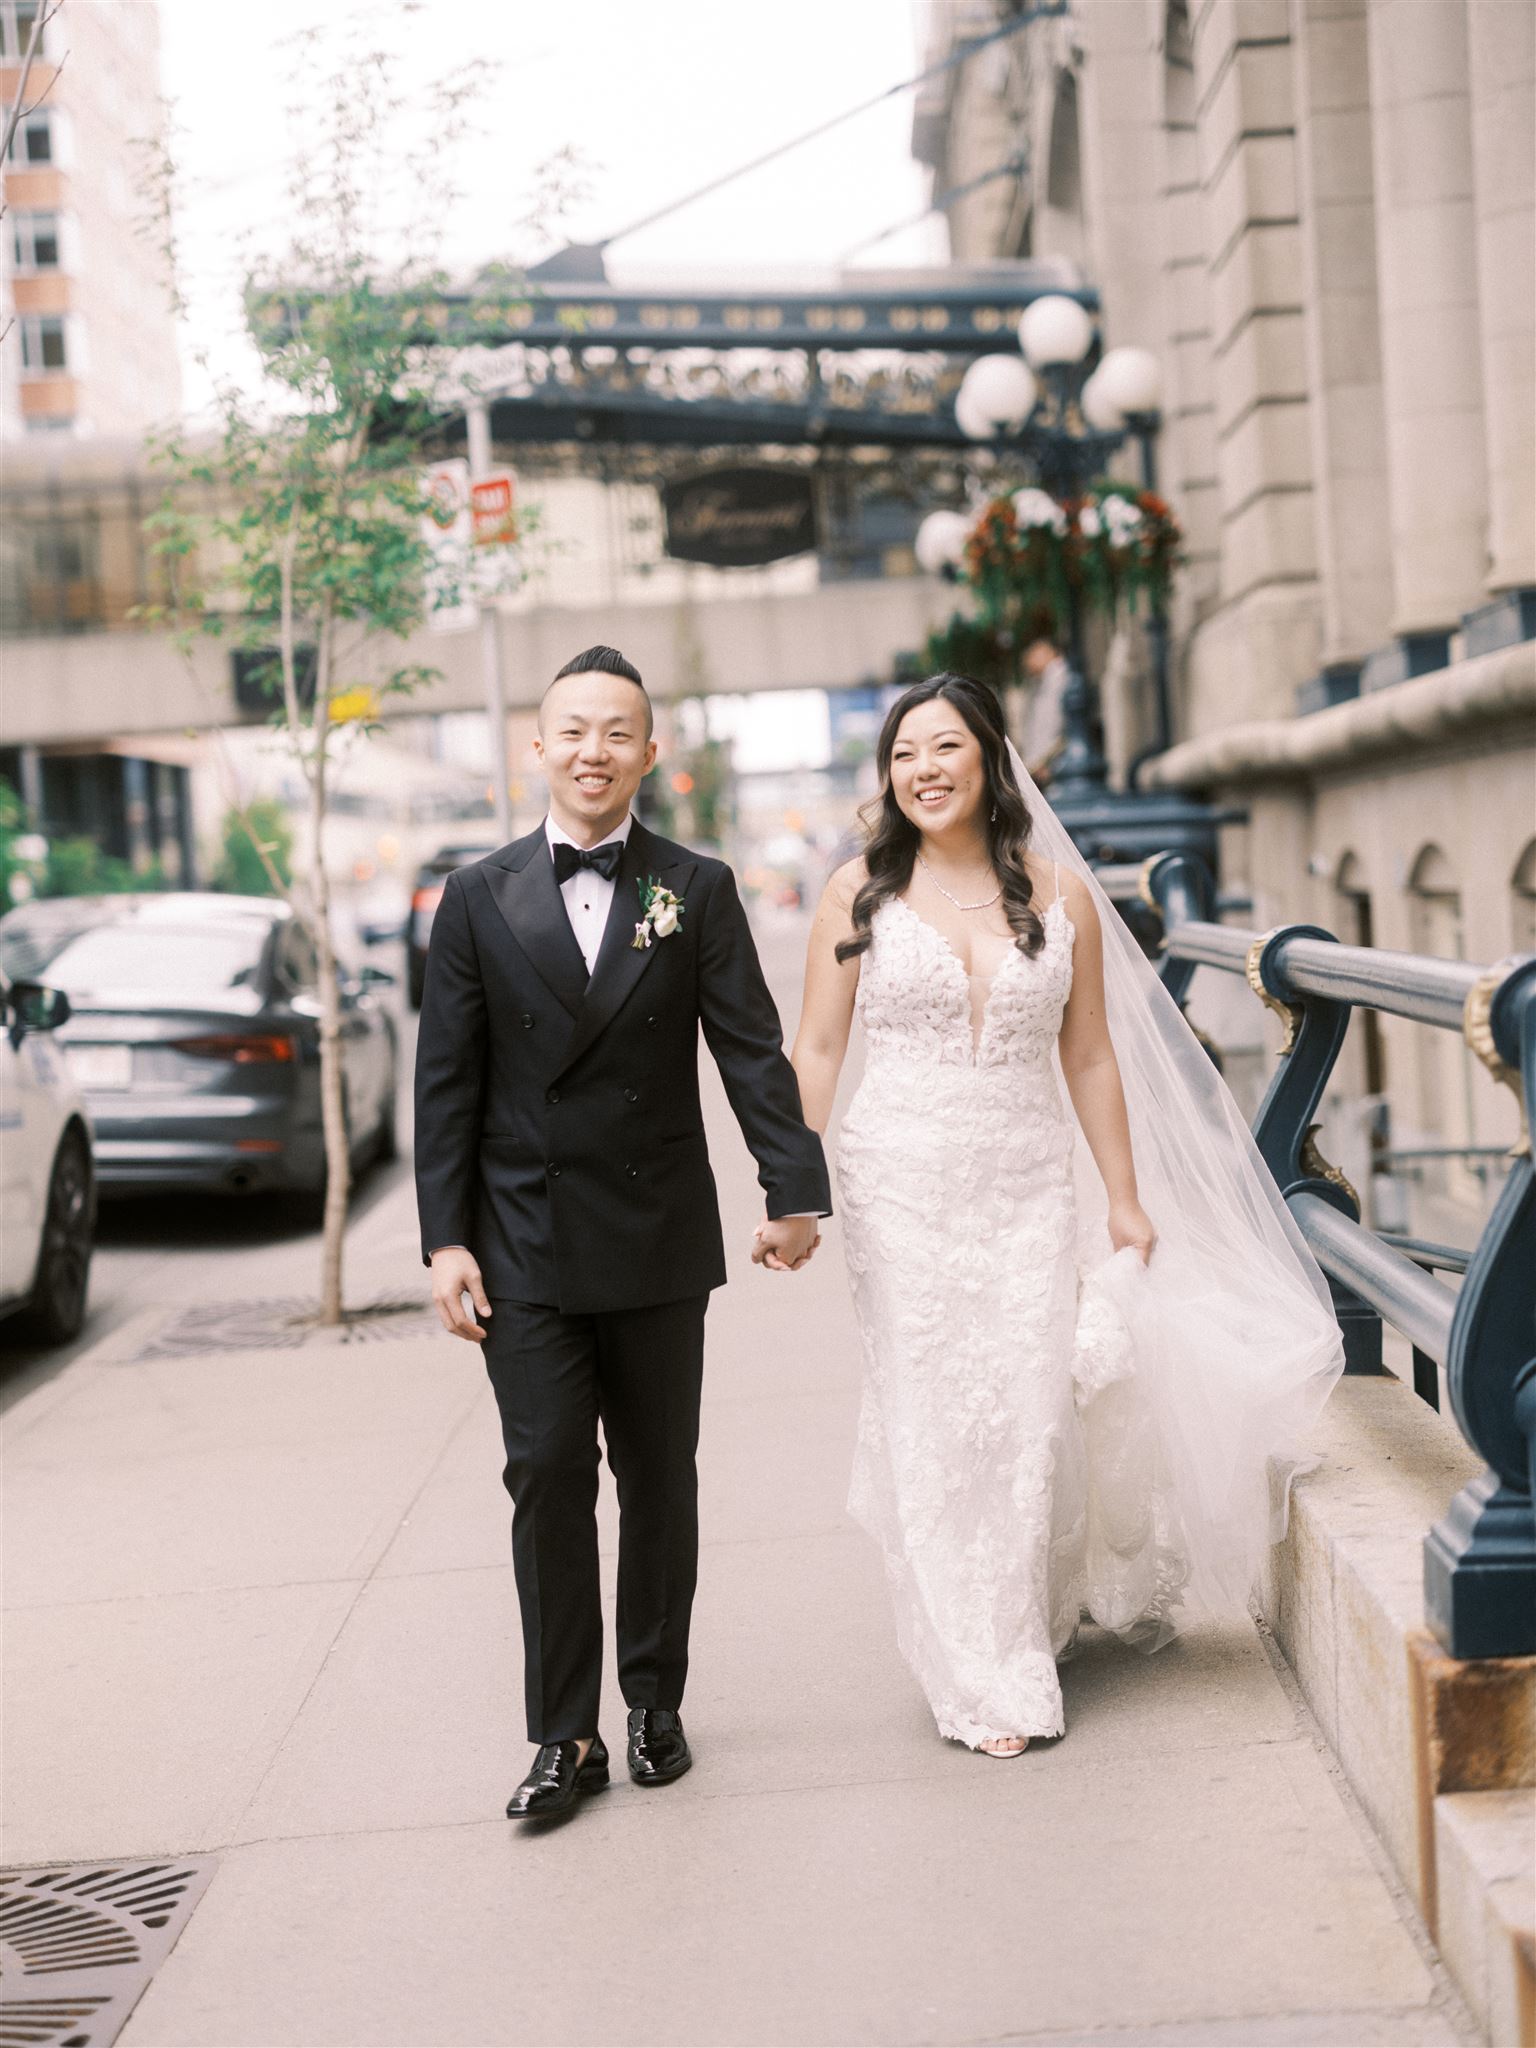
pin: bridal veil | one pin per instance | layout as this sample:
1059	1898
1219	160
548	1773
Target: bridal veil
1199	1376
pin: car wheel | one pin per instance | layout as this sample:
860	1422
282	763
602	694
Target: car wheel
56	1310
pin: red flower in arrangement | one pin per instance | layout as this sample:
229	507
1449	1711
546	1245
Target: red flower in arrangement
1029	554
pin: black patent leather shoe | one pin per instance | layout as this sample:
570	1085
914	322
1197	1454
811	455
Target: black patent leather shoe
559	1777
658	1748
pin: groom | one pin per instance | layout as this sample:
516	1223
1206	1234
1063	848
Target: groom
564	1187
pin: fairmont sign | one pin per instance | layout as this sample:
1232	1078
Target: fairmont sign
740	518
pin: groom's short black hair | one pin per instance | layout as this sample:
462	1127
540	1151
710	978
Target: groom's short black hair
607	661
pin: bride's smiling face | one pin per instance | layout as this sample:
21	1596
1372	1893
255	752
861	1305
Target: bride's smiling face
938	777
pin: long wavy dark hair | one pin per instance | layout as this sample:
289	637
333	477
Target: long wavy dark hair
893	841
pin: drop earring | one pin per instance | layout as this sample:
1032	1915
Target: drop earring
994	814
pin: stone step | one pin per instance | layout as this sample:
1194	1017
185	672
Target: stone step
1423	1738
1485	1860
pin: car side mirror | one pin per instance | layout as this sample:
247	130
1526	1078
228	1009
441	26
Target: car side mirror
35	1008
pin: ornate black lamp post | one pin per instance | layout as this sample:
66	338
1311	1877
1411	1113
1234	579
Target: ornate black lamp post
1064	410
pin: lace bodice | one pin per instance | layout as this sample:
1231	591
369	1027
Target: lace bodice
914	998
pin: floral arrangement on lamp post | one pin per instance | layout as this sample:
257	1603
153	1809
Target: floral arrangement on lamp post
1028	559
1051	541
1074	542
1128	545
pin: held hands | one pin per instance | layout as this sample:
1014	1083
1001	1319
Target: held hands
1129	1224
455	1274
785	1245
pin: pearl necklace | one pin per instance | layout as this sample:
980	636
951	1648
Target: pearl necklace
987	905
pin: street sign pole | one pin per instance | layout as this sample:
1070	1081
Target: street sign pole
478	419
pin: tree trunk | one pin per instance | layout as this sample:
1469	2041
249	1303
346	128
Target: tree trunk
338	1166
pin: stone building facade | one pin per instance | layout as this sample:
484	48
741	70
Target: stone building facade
1321	216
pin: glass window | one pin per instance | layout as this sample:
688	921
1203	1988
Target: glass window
43	344
33	142
171	962
36	241
298	963
16	19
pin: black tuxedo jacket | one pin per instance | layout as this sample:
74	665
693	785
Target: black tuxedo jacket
558	1129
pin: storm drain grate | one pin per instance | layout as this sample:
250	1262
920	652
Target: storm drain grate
79	1944
281	1324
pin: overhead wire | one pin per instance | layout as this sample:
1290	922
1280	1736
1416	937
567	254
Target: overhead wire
942	202
1038	10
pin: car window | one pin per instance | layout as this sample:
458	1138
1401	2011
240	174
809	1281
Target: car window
298	965
28	943
165	960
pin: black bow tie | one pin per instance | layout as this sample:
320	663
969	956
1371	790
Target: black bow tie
602	860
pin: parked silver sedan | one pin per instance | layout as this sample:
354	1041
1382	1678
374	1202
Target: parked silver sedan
194	1036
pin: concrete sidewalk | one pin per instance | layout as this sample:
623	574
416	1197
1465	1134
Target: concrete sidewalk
260	1604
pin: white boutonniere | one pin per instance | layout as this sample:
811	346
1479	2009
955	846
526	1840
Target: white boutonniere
660	913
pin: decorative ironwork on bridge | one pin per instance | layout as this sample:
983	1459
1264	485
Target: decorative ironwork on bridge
870	368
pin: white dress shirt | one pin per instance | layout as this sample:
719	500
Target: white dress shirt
588	895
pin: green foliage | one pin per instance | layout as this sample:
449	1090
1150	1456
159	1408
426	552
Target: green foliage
710	766
13	822
971	647
1127	546
241	869
297	524
71	867
78	867
702	810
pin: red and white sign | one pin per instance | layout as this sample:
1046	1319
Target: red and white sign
491	508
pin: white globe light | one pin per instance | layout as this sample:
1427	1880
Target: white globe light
1099	408
971	420
1131	381
1055	330
941	540
1000	392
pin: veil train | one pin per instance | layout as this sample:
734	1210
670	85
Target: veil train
1199	1377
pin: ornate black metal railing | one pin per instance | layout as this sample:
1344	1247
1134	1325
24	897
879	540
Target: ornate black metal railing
1480	1559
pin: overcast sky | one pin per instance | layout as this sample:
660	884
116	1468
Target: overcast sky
657	95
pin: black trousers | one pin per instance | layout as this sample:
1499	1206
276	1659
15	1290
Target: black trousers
556	1377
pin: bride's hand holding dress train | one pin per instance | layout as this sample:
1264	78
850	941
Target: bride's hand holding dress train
1051	1421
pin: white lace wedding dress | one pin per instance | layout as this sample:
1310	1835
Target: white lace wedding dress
973	1470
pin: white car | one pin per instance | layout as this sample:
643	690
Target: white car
47	1179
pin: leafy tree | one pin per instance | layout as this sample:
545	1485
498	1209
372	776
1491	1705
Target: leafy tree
295	528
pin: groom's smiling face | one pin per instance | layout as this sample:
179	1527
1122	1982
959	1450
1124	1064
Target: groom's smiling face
595	748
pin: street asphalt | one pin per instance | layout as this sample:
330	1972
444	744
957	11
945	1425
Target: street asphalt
259	1603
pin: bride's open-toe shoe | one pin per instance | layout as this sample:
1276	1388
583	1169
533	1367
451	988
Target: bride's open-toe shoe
1004	1745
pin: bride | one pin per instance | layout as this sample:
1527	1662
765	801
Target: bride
1093	1339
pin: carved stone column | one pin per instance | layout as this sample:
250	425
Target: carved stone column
1426	250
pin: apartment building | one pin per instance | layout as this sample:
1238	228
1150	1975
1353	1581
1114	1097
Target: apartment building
91	344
